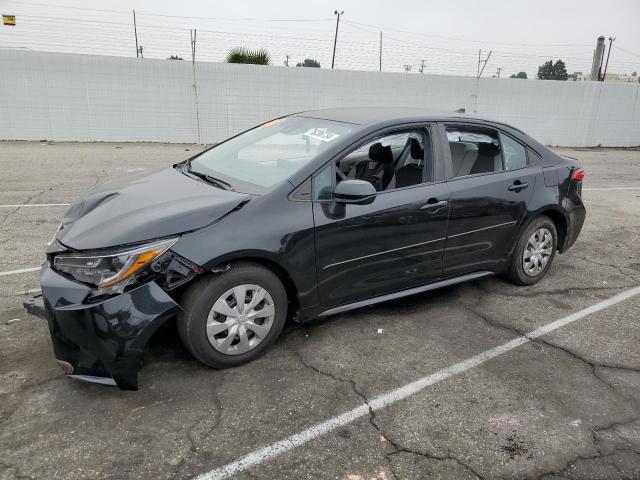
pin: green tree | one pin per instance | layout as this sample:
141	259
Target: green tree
560	71
245	55
309	62
552	71
522	75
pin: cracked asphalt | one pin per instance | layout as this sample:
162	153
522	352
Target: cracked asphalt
562	406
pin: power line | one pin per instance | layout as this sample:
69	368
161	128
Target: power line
626	51
422	34
359	48
124	12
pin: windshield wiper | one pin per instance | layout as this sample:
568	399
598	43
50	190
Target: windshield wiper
218	182
213	180
221	183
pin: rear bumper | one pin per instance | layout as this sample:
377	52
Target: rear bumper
100	342
574	227
576	214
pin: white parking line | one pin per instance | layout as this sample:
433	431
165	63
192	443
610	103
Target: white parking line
36	205
22	270
270	451
29	292
609	188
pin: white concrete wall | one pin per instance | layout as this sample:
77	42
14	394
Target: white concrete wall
83	98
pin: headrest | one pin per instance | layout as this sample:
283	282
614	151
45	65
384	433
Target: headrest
457	149
381	154
485	148
417	151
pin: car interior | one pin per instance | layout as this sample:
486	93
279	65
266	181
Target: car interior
474	152
391	162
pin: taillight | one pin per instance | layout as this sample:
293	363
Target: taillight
578	175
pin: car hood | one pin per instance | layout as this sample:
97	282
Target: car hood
142	208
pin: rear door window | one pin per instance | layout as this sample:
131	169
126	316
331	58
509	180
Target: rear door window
474	150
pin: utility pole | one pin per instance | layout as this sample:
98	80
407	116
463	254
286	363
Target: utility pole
604	75
498	70
286	62
380	50
422	66
140	50
135	32
335	40
484	64
192	34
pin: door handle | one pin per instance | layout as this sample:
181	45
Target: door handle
433	205
517	186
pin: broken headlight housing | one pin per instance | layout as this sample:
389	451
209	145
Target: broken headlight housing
111	270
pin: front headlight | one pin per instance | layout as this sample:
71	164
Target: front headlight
113	268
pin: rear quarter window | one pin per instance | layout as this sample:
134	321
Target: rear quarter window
514	153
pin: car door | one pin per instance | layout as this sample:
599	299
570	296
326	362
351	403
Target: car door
491	183
395	242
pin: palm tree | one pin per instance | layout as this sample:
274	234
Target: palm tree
309	62
245	55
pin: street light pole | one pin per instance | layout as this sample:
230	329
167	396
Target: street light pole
380	51
335	40
135	32
604	75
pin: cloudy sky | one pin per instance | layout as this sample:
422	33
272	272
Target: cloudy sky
445	35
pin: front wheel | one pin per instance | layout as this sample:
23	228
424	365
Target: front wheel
534	252
231	318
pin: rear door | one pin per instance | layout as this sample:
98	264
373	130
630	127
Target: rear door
394	243
491	183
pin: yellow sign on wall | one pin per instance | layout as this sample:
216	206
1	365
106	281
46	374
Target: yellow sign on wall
9	20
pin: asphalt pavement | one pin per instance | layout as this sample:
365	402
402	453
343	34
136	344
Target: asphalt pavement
491	400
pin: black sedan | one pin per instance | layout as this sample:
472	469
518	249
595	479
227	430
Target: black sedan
301	217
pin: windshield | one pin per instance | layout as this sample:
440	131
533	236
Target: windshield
270	153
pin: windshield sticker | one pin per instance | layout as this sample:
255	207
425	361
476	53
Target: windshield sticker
321	134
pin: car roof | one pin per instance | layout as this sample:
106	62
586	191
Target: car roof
366	116
387	116
371	115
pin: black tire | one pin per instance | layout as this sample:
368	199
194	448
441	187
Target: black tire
516	272
199	299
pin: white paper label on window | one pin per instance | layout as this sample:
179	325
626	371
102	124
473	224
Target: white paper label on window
321	134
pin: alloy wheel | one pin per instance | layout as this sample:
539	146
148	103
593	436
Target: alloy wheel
537	252
240	319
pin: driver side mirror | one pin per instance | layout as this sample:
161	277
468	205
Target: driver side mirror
358	192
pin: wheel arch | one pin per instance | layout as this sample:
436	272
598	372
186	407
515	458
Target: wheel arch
267	261
560	221
558	218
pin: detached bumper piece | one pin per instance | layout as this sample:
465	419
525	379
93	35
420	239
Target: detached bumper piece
35	306
101	342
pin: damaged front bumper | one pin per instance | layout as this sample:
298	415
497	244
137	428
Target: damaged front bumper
101	342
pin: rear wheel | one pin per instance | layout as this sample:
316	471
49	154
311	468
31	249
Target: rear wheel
534	252
231	318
